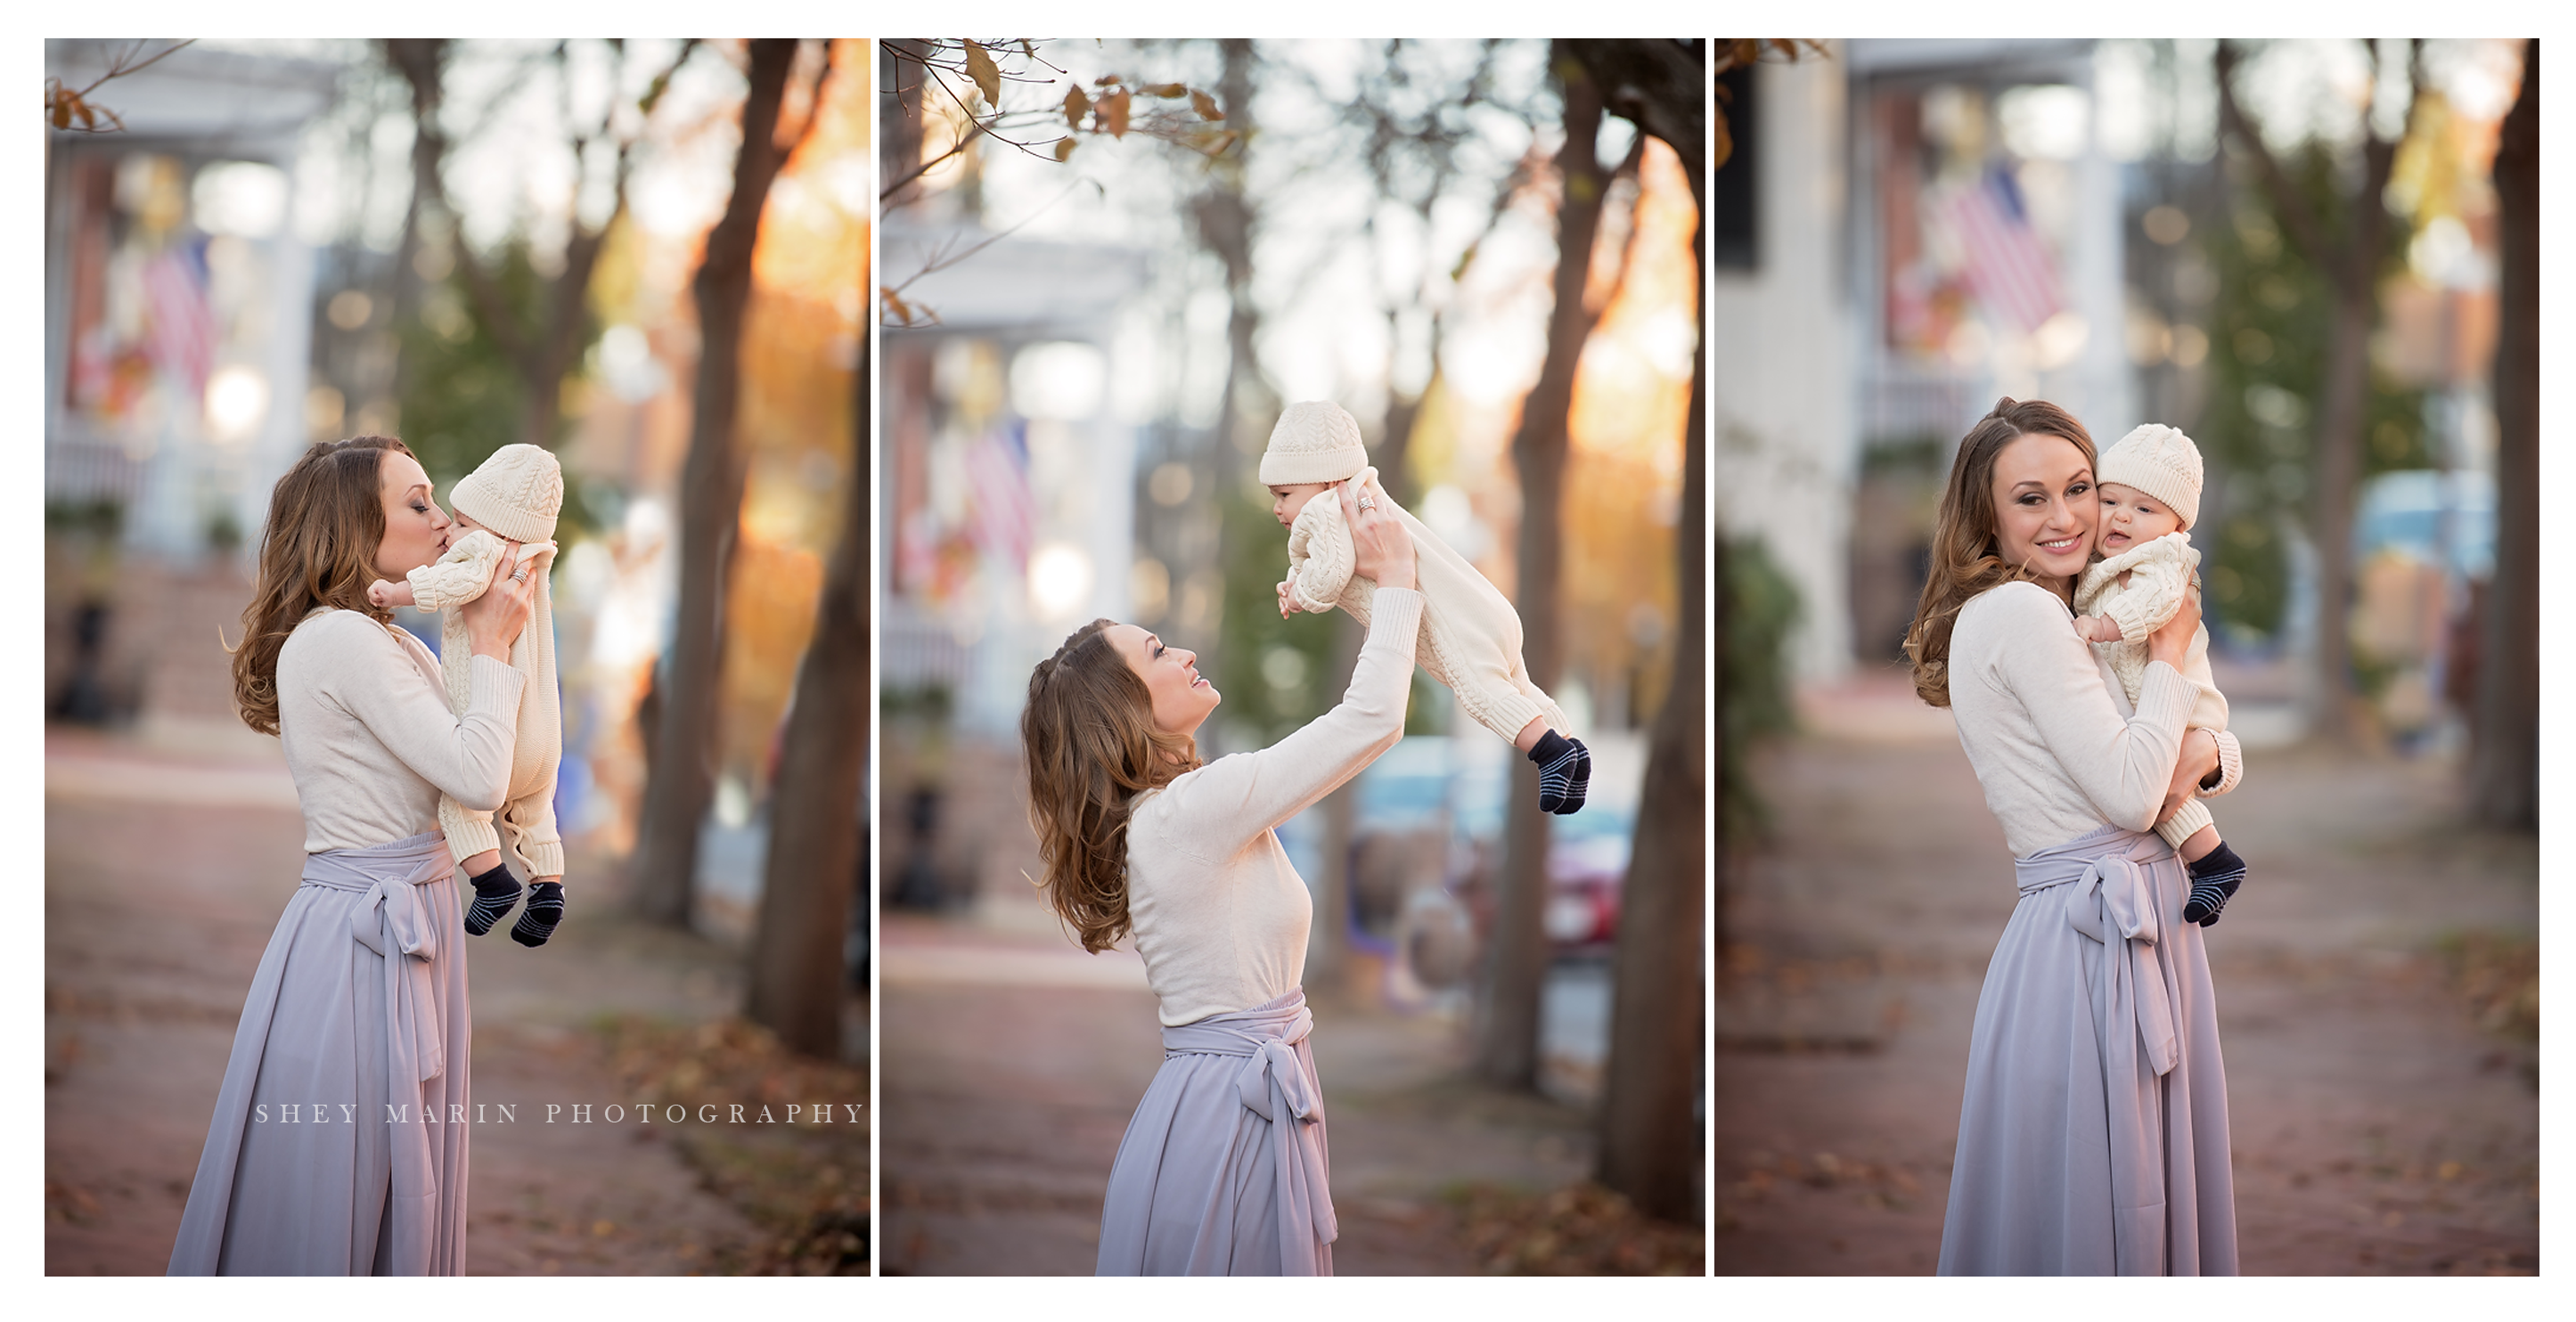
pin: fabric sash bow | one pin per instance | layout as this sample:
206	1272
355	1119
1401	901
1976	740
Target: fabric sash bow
393	922
1275	1086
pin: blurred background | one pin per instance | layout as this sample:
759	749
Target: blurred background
2313	257
1106	267
646	256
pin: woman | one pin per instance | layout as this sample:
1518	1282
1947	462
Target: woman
2093	1134
338	1141
1223	1168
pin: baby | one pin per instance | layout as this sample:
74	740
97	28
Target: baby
2150	491
516	494
1470	639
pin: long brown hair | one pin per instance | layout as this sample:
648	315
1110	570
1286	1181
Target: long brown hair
1091	744
1966	558
326	519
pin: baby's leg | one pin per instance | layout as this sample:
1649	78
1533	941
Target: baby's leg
2197	845
1527	739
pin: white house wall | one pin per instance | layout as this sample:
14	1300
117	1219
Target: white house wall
1784	447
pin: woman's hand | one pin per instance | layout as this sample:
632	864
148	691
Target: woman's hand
494	620
2172	643
1381	550
2198	762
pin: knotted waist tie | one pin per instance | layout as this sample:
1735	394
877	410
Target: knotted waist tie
2111	900
1274	1085
392	921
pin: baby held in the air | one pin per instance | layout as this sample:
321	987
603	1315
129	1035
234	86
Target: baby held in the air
1470	638
2149	483
516	494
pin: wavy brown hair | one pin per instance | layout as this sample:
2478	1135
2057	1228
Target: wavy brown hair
1966	558
1091	745
326	518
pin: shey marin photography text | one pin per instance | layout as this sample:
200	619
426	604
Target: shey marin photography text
576	1113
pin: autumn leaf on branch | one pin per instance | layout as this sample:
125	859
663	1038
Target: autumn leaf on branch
988	78
66	104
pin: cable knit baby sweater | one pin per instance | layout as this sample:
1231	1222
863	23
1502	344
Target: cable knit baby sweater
1471	636
2042	724
349	691
1220	915
2160	572
525	822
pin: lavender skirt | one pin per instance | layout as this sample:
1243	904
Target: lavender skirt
1223	1169
2093	1136
338	1142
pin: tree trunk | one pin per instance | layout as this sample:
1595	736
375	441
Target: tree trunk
420	60
1516	963
1649	1132
1225	226
2504	768
681	781
798	969
2349	262
2344	396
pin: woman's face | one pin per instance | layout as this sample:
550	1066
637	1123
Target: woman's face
2045	509
1182	698
415	528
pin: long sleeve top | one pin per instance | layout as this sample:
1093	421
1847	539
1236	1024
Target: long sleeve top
2046	730
524	823
1220	915
2159	572
1471	636
369	736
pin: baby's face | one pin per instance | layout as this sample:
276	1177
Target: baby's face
2131	517
459	524
1288	498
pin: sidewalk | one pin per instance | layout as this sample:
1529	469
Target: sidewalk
166	866
2382	1081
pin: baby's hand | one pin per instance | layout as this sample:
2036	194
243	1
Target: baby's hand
2097	629
384	593
1287	600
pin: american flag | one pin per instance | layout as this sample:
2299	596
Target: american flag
2008	268
181	338
1004	511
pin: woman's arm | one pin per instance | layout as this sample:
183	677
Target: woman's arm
369	675
1229	801
2123	767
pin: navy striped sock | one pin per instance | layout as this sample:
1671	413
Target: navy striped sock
494	892
537	921
2214	880
1564	769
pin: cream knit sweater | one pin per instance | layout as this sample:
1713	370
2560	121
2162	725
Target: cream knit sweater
1220	916
525	822
2160	572
370	739
1471	636
2056	750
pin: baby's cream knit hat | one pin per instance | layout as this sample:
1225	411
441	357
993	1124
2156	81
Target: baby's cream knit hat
1316	441
2160	461
516	493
